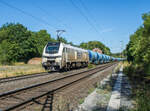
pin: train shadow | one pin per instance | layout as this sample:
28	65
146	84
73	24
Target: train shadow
47	104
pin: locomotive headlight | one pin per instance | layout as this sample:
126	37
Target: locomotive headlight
44	59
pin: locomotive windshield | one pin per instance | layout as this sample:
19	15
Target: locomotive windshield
52	48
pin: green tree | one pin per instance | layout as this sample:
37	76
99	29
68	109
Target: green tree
15	37
95	44
138	48
18	44
63	40
39	40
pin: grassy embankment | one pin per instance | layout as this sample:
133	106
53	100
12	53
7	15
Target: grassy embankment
19	69
140	86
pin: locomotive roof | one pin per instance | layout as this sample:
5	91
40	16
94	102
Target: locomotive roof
66	45
73	47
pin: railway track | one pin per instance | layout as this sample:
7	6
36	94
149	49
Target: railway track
16	78
16	98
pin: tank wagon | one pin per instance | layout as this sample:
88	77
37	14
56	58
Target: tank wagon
104	58
59	56
95	57
100	58
92	56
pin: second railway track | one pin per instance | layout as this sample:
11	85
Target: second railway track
16	98
23	77
14	78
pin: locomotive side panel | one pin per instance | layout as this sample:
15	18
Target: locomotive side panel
73	57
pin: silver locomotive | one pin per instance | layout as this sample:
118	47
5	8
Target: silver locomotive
59	56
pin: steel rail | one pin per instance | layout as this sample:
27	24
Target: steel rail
14	78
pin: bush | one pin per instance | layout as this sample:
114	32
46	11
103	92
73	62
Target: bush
91	66
142	98
141	90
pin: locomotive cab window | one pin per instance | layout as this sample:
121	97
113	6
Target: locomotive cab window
52	48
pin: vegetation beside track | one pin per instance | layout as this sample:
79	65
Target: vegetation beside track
91	66
140	86
17	70
138	66
138	48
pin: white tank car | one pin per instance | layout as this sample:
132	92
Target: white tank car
57	56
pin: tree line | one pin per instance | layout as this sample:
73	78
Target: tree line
138	71
18	44
138	48
95	44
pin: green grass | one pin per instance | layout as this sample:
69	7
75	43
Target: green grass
124	109
22	69
143	98
91	90
91	66
81	101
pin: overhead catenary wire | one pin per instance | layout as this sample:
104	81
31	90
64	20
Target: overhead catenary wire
28	14
88	12
66	26
91	17
86	17
47	13
45	22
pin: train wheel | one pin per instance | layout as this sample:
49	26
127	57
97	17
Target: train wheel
69	67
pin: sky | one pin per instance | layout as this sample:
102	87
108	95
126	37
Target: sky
108	21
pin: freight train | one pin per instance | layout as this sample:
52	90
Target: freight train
59	56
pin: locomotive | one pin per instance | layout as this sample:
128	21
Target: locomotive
59	56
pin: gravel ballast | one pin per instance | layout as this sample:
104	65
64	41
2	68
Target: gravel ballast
101	97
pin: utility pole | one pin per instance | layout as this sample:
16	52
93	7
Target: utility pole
121	48
59	32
